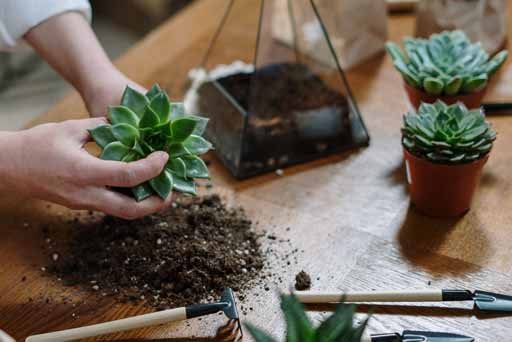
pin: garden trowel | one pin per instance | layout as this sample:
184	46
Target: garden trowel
484	301
417	336
226	304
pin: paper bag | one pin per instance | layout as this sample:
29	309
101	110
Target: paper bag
482	20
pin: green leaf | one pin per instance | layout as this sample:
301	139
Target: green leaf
162	184
201	123
257	334
197	145
130	157
196	168
142	191
114	151
120	114
125	133
149	119
433	86
177	110
453	85
155	90
177	150
474	84
161	106
134	100
102	135
299	328
138	148
178	167
339	325
186	186
182	128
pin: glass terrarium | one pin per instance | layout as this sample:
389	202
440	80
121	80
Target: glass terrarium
273	89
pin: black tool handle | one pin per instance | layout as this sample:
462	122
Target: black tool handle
497	108
392	337
457	295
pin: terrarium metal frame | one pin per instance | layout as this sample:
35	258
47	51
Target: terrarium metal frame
357	135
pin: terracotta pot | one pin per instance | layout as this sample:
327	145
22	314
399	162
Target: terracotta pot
442	190
416	96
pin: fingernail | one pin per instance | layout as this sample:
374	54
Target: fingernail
161	155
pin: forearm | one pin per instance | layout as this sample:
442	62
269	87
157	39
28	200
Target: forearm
10	149
68	44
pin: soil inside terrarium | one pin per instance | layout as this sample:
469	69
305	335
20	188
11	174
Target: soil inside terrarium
188	254
292	115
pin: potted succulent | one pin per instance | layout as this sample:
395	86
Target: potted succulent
145	123
447	66
337	327
445	149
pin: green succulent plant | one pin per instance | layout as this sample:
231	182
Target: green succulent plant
337	327
446	63
144	123
447	134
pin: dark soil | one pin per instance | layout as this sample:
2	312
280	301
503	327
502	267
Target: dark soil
302	281
293	116
188	254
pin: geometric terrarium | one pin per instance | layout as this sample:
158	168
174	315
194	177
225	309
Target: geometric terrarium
274	91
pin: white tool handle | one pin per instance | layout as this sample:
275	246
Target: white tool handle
5	338
366	337
135	322
371	296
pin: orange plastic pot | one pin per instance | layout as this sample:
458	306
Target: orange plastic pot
416	96
442	190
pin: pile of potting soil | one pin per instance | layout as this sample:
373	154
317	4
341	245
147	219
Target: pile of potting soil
186	255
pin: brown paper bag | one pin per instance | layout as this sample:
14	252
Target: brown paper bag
481	20
357	28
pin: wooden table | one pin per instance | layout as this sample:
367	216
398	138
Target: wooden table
350	214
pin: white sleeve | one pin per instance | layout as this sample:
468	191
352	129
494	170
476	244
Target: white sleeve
17	17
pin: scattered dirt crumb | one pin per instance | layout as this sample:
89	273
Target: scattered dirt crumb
302	281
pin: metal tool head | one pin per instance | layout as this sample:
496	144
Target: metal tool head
488	301
427	336
231	310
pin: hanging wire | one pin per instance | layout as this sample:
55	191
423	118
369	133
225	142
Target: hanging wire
338	66
293	24
223	20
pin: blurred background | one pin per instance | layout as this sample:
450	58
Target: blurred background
118	23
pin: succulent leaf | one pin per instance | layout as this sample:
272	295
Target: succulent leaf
149	118
446	63
102	135
161	106
142	191
134	100
197	145
125	133
162	184
114	151
155	90
141	126
447	134
183	185
121	114
337	327
177	166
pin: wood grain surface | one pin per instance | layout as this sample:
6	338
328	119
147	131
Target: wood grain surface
348	215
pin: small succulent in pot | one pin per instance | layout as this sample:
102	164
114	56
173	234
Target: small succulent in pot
446	65
144	123
337	327
445	149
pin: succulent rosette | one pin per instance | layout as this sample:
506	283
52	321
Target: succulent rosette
144	123
447	134
445	64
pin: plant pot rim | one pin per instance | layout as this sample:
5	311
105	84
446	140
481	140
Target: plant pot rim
441	96
424	160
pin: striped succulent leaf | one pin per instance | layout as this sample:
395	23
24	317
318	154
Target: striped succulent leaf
447	134
144	123
337	327
445	64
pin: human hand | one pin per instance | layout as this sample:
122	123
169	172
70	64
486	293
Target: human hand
49	162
